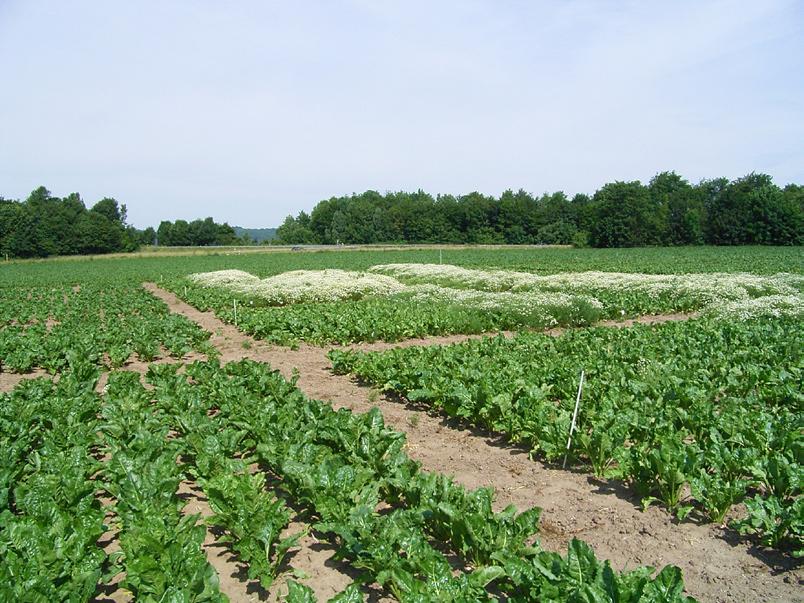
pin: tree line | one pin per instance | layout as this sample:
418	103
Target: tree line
43	225
667	211
197	233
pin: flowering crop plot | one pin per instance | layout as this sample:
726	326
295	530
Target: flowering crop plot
617	293
302	286
396	301
333	306
698	415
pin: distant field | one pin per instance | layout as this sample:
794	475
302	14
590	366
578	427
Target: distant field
263	261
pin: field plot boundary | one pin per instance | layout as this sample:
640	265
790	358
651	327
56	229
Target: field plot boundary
574	504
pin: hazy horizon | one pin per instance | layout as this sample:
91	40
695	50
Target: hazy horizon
254	111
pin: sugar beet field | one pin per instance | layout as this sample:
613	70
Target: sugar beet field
381	425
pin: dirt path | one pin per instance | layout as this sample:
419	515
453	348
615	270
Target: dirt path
604	514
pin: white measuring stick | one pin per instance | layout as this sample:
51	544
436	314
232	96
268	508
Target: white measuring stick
235	312
574	418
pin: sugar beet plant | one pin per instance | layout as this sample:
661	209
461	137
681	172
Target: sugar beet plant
50	517
708	404
349	474
251	520
105	323
161	550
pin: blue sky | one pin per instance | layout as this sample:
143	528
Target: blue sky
249	111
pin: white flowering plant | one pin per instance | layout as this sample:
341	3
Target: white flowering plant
529	307
619	293
302	286
771	306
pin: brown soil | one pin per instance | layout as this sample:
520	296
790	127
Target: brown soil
717	566
8	381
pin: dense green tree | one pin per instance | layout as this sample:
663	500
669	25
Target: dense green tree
147	236
556	218
17	232
794	207
448	219
62	226
164	233
751	210
180	233
556	233
96	234
774	220
583	212
108	208
679	207
195	234
295	231
226	235
624	216
517	217
667	211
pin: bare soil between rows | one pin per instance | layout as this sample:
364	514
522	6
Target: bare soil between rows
717	566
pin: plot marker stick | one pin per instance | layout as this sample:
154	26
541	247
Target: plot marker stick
574	417
235	312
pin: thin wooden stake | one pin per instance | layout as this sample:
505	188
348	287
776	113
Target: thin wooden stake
574	418
235	312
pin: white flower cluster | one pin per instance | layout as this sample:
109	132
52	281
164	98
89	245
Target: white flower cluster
230	279
741	294
303	286
704	289
774	306
521	302
535	307
455	276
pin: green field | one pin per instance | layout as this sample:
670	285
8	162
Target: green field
703	416
652	260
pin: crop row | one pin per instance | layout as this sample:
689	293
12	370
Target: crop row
709	404
50	516
388	518
614	293
49	327
234	429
